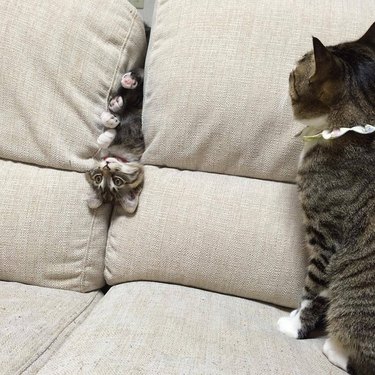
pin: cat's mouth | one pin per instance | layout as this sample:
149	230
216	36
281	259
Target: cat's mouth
112	159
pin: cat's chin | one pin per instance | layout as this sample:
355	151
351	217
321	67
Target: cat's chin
320	122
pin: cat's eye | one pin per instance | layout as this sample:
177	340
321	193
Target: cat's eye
118	181
98	178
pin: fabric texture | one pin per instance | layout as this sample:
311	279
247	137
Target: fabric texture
58	63
216	93
49	237
34	321
150	328
229	234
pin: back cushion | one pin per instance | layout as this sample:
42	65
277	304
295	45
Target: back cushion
217	81
59	61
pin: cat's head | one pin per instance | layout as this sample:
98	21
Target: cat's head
115	181
336	84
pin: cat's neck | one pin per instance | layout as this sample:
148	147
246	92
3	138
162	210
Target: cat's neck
339	132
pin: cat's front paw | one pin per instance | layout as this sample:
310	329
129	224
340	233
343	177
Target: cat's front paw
116	104
290	325
109	120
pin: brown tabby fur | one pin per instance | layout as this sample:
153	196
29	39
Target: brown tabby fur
336	181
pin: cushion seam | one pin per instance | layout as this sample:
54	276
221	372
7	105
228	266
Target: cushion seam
85	260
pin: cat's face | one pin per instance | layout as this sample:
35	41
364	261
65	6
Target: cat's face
115	181
332	82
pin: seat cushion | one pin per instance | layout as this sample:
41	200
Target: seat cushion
34	321
151	328
58	64
229	234
216	94
49	237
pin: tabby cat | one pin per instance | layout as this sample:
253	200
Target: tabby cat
118	176
115	181
333	88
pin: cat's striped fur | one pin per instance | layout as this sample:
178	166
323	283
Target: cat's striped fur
336	182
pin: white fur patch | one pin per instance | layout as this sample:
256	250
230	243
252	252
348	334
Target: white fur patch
324	293
290	325
335	353
106	138
109	120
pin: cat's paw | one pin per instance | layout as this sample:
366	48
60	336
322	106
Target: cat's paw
106	138
116	104
109	120
290	325
93	202
335	353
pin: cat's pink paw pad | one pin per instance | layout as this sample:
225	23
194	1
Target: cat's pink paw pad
109	120
116	104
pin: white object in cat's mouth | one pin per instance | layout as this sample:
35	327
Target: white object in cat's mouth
338	132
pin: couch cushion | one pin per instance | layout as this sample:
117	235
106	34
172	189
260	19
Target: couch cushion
224	233
58	62
49	237
150	328
216	94
34	321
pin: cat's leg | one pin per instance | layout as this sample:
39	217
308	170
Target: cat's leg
315	296
116	104
109	120
336	353
106	138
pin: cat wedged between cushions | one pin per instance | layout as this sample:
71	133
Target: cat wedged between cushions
119	176
116	182
330	88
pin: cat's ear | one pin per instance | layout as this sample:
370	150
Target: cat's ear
369	36
129	201
325	62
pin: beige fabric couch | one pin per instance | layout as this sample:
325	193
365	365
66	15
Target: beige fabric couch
214	255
